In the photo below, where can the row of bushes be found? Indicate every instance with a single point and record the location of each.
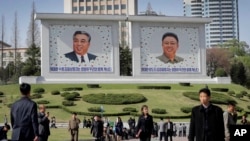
(73, 89)
(184, 84)
(186, 109)
(115, 99)
(220, 89)
(36, 96)
(217, 98)
(93, 86)
(159, 111)
(39, 90)
(154, 87)
(43, 102)
(95, 109)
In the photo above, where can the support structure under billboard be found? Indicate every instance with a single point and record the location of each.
(85, 49)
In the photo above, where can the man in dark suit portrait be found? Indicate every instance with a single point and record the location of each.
(170, 44)
(206, 122)
(24, 119)
(43, 120)
(81, 43)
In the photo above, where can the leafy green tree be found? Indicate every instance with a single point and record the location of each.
(220, 72)
(238, 73)
(125, 61)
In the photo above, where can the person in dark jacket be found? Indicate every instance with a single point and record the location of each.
(144, 125)
(206, 122)
(24, 119)
(3, 132)
(97, 128)
(43, 121)
(119, 128)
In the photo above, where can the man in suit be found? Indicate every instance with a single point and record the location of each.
(74, 127)
(168, 130)
(230, 118)
(43, 120)
(24, 119)
(81, 43)
(97, 128)
(206, 122)
(170, 44)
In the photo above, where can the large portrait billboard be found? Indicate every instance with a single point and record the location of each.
(80, 48)
(169, 50)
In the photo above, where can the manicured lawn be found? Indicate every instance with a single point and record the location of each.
(171, 100)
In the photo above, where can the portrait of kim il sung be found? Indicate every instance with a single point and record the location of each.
(170, 45)
(81, 44)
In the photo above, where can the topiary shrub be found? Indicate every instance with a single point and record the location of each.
(129, 109)
(154, 87)
(68, 103)
(217, 98)
(244, 93)
(248, 96)
(95, 109)
(114, 99)
(159, 111)
(36, 96)
(55, 92)
(70, 97)
(186, 109)
(231, 92)
(184, 83)
(1, 101)
(93, 86)
(38, 90)
(76, 94)
(220, 89)
(42, 102)
(1, 93)
(73, 89)
(239, 96)
(64, 94)
(248, 107)
(239, 109)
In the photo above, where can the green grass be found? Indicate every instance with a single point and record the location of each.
(171, 100)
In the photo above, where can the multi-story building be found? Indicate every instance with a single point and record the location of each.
(225, 25)
(105, 7)
(8, 54)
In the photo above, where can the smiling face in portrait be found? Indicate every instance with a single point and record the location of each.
(81, 44)
(170, 46)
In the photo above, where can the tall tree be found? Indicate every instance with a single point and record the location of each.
(15, 39)
(2, 39)
(125, 61)
(33, 34)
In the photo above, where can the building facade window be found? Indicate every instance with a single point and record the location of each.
(74, 9)
(109, 7)
(88, 8)
(116, 7)
(102, 7)
(95, 8)
(81, 0)
(81, 8)
(123, 6)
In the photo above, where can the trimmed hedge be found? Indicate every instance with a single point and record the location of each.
(43, 102)
(39, 90)
(53, 106)
(93, 86)
(217, 98)
(248, 96)
(239, 109)
(159, 111)
(1, 93)
(68, 103)
(129, 109)
(248, 107)
(184, 83)
(186, 109)
(231, 92)
(70, 97)
(1, 101)
(154, 87)
(239, 95)
(114, 99)
(220, 89)
(73, 89)
(36, 96)
(64, 94)
(244, 93)
(95, 109)
(55, 92)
